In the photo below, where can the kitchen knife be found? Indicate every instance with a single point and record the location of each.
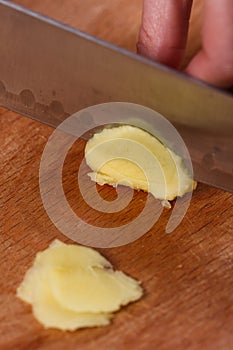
(48, 71)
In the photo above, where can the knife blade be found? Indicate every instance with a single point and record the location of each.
(49, 71)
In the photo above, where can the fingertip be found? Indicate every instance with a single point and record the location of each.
(217, 73)
(169, 56)
(163, 31)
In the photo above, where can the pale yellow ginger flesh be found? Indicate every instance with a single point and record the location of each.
(71, 287)
(127, 155)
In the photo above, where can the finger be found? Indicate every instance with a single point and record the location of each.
(164, 29)
(214, 63)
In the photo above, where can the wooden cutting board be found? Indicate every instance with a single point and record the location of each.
(187, 275)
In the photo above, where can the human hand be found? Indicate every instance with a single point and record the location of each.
(163, 37)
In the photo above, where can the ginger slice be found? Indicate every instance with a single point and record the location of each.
(127, 155)
(71, 287)
(51, 313)
(93, 289)
(35, 290)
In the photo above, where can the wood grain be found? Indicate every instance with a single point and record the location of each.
(187, 275)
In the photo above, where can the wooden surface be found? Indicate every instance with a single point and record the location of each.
(187, 275)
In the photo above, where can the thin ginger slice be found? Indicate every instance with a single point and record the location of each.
(127, 155)
(71, 286)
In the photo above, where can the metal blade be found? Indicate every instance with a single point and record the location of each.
(49, 71)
